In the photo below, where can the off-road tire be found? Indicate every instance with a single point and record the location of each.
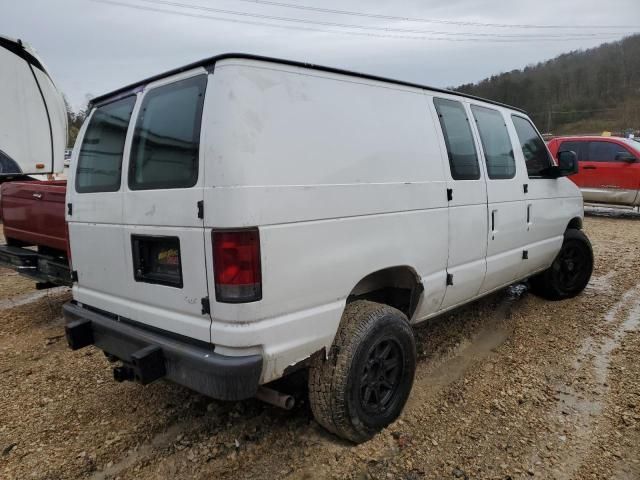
(340, 384)
(570, 272)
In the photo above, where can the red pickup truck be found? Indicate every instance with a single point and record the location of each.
(609, 168)
(37, 245)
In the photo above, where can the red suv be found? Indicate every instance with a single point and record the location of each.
(609, 168)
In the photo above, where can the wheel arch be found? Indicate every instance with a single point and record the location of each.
(397, 286)
(575, 223)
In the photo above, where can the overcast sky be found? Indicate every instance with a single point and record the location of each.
(91, 48)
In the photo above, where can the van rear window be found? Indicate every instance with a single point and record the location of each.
(166, 142)
(100, 159)
(463, 159)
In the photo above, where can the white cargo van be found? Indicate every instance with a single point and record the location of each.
(243, 217)
(33, 116)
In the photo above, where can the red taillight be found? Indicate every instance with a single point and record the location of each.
(236, 265)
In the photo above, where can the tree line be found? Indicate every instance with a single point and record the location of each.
(578, 92)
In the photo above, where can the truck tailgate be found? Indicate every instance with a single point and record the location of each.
(33, 213)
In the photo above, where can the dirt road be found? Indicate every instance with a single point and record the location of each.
(509, 387)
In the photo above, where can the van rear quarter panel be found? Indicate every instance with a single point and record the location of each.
(342, 175)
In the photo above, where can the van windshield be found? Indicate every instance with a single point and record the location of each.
(100, 159)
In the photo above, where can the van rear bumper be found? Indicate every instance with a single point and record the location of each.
(154, 354)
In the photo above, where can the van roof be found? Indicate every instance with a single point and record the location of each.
(211, 61)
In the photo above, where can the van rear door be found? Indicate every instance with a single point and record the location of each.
(156, 262)
(94, 204)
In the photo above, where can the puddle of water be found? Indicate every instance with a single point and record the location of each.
(603, 358)
(581, 403)
(600, 284)
(30, 297)
(517, 291)
(492, 335)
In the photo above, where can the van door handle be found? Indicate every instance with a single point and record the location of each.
(529, 215)
(37, 195)
(493, 220)
(589, 167)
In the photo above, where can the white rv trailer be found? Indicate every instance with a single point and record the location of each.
(33, 119)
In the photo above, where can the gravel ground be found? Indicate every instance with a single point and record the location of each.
(508, 387)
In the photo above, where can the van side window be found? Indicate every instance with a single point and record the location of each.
(535, 151)
(605, 152)
(463, 158)
(100, 159)
(166, 142)
(498, 151)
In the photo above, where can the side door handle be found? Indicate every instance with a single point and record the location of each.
(529, 219)
(494, 214)
(589, 167)
(37, 195)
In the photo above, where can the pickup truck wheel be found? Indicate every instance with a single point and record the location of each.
(364, 384)
(570, 271)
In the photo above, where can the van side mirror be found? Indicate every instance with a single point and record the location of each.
(625, 157)
(567, 165)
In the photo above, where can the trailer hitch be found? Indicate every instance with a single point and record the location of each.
(147, 365)
(123, 373)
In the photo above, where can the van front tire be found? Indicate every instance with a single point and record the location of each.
(570, 272)
(365, 382)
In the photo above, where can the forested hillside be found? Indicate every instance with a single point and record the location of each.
(578, 92)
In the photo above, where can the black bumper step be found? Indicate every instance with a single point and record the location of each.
(13, 257)
(39, 267)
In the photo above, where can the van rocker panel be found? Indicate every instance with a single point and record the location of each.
(198, 368)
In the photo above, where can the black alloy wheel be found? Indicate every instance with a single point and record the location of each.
(570, 272)
(381, 376)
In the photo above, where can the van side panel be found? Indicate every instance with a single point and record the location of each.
(343, 176)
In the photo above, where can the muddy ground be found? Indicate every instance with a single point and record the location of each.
(508, 387)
